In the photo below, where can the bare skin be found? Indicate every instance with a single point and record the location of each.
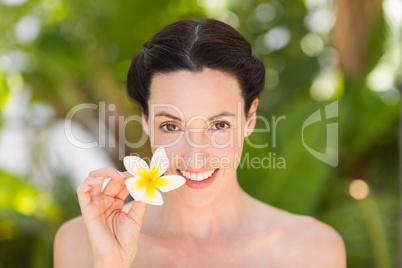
(216, 226)
(271, 238)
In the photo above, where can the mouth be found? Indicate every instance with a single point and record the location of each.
(198, 180)
(197, 176)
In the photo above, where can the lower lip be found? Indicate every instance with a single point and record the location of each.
(200, 184)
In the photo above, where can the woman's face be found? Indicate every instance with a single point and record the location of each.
(199, 119)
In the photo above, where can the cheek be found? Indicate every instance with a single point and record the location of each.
(222, 139)
(229, 156)
(226, 149)
(227, 140)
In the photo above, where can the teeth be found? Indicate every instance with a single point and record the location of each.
(197, 177)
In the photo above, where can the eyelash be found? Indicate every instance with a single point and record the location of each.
(171, 132)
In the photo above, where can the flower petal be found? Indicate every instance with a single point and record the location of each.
(169, 182)
(136, 187)
(152, 196)
(136, 166)
(159, 163)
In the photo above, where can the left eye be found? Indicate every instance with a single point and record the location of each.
(169, 127)
(220, 125)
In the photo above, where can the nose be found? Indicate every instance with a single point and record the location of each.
(197, 138)
(196, 149)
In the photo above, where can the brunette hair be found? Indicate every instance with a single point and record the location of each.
(192, 45)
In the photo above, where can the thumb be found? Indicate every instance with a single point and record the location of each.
(137, 212)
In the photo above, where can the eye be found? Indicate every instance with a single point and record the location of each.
(220, 126)
(169, 127)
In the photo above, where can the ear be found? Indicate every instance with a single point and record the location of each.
(252, 118)
(145, 123)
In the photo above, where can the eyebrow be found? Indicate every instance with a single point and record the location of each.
(210, 119)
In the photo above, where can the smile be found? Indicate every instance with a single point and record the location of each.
(198, 176)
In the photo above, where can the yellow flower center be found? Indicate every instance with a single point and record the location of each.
(150, 180)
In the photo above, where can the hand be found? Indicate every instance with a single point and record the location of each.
(113, 233)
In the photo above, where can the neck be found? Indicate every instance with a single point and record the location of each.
(222, 215)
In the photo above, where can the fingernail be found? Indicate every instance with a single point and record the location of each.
(121, 174)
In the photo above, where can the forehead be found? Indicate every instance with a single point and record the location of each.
(205, 93)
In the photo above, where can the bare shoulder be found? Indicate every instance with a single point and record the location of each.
(301, 241)
(315, 243)
(71, 245)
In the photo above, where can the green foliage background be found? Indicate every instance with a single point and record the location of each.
(82, 54)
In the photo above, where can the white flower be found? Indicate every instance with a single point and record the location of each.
(147, 181)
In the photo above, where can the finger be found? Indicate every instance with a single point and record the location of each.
(137, 212)
(115, 185)
(108, 172)
(127, 174)
(88, 188)
(123, 194)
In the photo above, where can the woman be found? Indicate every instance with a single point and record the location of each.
(198, 86)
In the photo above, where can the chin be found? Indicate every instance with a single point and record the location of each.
(197, 199)
(210, 195)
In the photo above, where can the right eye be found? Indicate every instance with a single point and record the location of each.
(169, 127)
